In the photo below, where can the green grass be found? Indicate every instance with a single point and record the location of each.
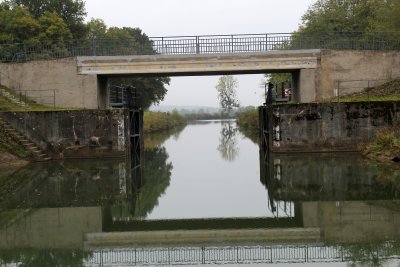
(160, 121)
(365, 99)
(7, 105)
(385, 146)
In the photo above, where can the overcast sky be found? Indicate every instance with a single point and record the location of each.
(190, 17)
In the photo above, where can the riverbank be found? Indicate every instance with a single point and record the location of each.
(161, 121)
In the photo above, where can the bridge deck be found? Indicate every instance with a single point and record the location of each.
(200, 64)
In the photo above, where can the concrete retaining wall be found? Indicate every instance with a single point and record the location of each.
(45, 81)
(75, 134)
(348, 65)
(329, 126)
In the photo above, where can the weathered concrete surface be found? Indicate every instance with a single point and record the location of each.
(250, 236)
(75, 134)
(200, 64)
(355, 65)
(71, 89)
(317, 127)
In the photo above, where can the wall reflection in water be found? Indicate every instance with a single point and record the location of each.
(46, 210)
(347, 197)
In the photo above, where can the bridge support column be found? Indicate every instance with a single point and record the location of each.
(304, 85)
(102, 92)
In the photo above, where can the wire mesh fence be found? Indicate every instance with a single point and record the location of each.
(363, 90)
(206, 44)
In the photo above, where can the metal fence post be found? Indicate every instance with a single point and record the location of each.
(197, 45)
(94, 47)
(266, 42)
(25, 53)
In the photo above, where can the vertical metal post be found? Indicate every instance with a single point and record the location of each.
(266, 42)
(197, 45)
(162, 46)
(94, 47)
(338, 90)
(25, 53)
(54, 98)
(231, 46)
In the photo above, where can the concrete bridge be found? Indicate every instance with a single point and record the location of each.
(81, 79)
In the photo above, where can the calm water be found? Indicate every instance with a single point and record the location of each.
(205, 176)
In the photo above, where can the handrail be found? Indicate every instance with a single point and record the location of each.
(200, 44)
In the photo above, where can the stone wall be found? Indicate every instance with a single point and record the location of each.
(318, 127)
(75, 134)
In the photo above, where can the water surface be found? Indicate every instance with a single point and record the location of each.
(205, 176)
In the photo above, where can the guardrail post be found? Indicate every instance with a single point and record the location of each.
(197, 45)
(266, 42)
(25, 53)
(94, 47)
(231, 46)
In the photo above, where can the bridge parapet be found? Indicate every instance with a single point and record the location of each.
(206, 44)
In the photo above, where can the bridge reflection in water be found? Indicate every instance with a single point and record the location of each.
(242, 254)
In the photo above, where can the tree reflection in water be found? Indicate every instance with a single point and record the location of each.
(227, 141)
(156, 178)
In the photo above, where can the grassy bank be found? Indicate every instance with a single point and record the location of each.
(248, 124)
(160, 121)
(8, 105)
(389, 91)
(385, 147)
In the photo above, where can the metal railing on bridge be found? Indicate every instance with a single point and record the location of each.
(206, 44)
(243, 255)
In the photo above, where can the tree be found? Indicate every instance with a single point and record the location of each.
(72, 12)
(96, 28)
(332, 16)
(52, 28)
(17, 24)
(226, 88)
(149, 90)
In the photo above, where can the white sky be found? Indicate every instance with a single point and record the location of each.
(205, 17)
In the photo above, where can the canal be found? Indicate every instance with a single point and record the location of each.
(203, 194)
